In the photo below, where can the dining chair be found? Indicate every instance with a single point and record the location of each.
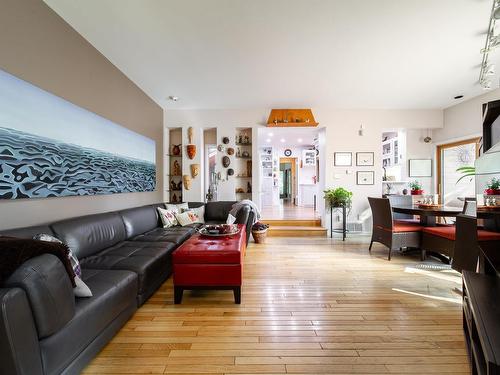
(393, 234)
(402, 200)
(441, 239)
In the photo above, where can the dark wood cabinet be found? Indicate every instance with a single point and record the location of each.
(481, 320)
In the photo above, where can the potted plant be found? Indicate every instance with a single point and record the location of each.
(416, 188)
(338, 197)
(259, 232)
(493, 187)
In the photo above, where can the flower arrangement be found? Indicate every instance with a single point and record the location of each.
(493, 187)
(416, 188)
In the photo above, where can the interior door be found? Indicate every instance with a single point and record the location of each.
(451, 189)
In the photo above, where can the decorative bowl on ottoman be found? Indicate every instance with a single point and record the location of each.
(219, 230)
(259, 232)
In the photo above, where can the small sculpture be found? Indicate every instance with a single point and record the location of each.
(225, 140)
(177, 168)
(238, 153)
(187, 181)
(230, 151)
(226, 161)
(249, 187)
(176, 150)
(174, 198)
(195, 170)
(190, 135)
(173, 185)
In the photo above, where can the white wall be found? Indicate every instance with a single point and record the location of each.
(464, 120)
(341, 134)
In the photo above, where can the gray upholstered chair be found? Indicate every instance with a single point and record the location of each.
(393, 234)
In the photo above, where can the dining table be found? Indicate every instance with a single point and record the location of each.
(428, 214)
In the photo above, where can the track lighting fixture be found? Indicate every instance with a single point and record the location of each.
(492, 42)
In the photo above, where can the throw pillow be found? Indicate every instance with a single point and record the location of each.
(199, 212)
(186, 218)
(230, 219)
(177, 208)
(167, 217)
(81, 289)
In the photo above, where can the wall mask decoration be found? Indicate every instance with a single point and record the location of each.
(190, 135)
(191, 151)
(220, 148)
(195, 170)
(226, 161)
(225, 140)
(186, 179)
(230, 151)
(50, 147)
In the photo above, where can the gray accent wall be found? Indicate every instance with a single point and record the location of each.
(38, 46)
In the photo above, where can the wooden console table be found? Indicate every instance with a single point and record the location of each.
(481, 321)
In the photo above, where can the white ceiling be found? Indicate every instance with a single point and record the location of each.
(290, 53)
(292, 137)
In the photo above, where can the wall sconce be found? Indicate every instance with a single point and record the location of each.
(361, 131)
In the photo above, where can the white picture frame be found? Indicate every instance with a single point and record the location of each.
(420, 168)
(342, 159)
(365, 178)
(365, 159)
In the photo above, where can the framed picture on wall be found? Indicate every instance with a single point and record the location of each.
(342, 159)
(420, 168)
(365, 178)
(365, 159)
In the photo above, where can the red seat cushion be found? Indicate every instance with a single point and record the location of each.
(447, 232)
(407, 221)
(485, 235)
(400, 227)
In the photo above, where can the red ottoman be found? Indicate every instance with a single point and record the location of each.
(209, 263)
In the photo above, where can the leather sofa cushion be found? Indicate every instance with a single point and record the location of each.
(113, 292)
(27, 232)
(146, 259)
(88, 235)
(218, 211)
(176, 235)
(202, 250)
(139, 220)
(50, 293)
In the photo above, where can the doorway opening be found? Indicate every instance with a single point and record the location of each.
(289, 173)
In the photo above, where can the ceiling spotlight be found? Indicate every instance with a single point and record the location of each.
(268, 140)
(270, 134)
(173, 98)
(496, 11)
(282, 140)
(299, 140)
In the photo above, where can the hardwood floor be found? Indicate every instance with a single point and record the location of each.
(309, 306)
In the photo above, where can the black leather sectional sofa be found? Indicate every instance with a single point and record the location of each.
(125, 256)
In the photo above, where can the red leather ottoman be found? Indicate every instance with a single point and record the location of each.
(209, 263)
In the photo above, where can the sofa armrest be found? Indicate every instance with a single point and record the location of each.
(19, 349)
(245, 216)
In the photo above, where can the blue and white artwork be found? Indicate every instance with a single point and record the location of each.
(50, 147)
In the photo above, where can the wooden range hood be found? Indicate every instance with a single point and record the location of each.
(287, 118)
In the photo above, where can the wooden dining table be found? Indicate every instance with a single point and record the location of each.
(428, 215)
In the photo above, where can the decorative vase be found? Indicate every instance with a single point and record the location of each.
(191, 151)
(186, 179)
(176, 150)
(195, 170)
(417, 192)
(259, 236)
(492, 191)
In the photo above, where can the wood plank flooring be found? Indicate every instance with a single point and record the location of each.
(309, 306)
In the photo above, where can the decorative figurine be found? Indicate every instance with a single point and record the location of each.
(230, 151)
(238, 153)
(176, 150)
(249, 187)
(176, 169)
(173, 185)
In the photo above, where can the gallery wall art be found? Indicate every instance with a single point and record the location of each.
(50, 147)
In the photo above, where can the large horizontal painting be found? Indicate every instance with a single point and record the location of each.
(50, 147)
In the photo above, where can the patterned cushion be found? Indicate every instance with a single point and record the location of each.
(199, 212)
(167, 217)
(177, 208)
(187, 218)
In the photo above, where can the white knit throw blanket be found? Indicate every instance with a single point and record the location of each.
(253, 207)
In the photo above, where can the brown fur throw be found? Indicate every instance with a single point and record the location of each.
(16, 251)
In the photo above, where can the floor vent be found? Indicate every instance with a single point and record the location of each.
(354, 227)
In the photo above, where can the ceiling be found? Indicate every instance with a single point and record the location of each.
(290, 53)
(287, 137)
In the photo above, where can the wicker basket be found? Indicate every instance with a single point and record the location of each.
(259, 236)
